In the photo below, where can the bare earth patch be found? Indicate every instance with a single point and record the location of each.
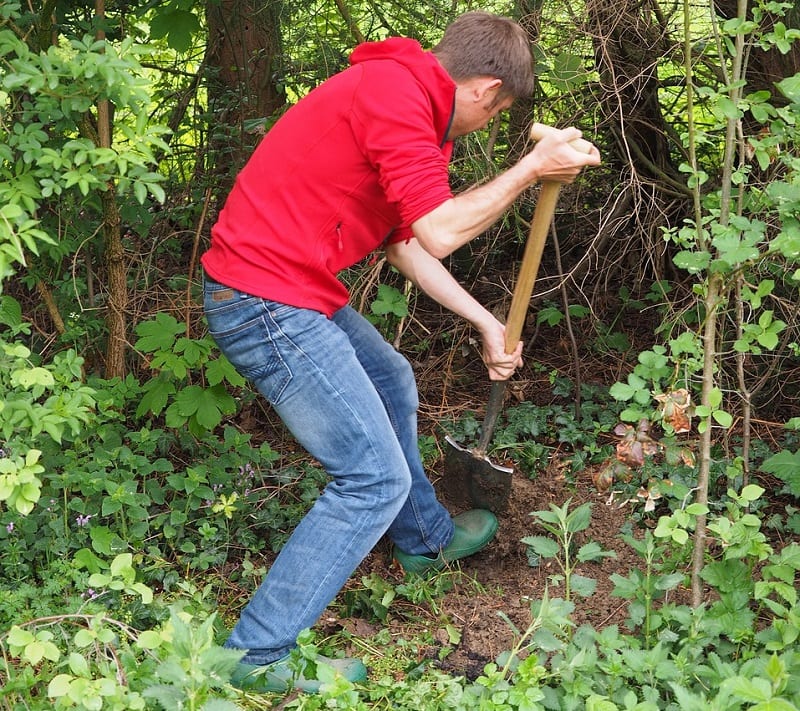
(507, 582)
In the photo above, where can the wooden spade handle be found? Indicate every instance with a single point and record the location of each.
(534, 247)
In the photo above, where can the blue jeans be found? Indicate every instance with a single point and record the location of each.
(350, 400)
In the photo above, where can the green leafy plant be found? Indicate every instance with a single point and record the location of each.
(176, 358)
(35, 400)
(177, 664)
(645, 589)
(733, 246)
(733, 574)
(89, 678)
(786, 466)
(190, 498)
(121, 575)
(389, 300)
(371, 599)
(650, 375)
(531, 434)
(20, 486)
(519, 677)
(51, 151)
(677, 657)
(193, 670)
(551, 315)
(388, 309)
(563, 526)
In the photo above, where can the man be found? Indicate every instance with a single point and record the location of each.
(360, 163)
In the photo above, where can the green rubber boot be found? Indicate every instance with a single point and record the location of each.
(280, 677)
(473, 531)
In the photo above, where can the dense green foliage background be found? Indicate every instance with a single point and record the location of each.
(133, 493)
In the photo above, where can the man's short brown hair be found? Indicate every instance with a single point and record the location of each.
(480, 44)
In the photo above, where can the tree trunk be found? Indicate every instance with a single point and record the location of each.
(629, 45)
(631, 40)
(117, 275)
(114, 250)
(243, 58)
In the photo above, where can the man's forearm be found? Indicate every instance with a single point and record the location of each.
(431, 276)
(460, 219)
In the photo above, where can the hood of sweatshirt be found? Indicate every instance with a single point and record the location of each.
(424, 65)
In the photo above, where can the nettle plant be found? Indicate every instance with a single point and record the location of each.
(564, 527)
(734, 651)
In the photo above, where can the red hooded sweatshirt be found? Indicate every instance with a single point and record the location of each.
(351, 165)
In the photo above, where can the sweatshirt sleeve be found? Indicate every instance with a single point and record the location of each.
(392, 118)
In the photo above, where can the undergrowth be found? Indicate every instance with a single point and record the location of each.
(737, 651)
(123, 566)
(532, 436)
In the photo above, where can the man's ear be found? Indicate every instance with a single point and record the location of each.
(488, 87)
